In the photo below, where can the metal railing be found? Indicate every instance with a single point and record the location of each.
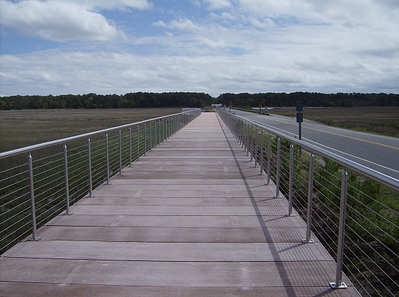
(352, 209)
(41, 181)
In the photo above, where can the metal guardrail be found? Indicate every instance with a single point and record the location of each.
(41, 181)
(352, 209)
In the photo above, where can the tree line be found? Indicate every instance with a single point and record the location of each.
(309, 99)
(192, 99)
(92, 100)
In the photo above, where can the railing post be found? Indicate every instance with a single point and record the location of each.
(107, 157)
(130, 147)
(278, 167)
(145, 139)
(234, 129)
(310, 202)
(89, 163)
(167, 127)
(66, 180)
(120, 152)
(261, 150)
(164, 129)
(256, 146)
(155, 134)
(269, 148)
(252, 141)
(138, 142)
(291, 186)
(32, 199)
(160, 131)
(242, 133)
(181, 121)
(341, 240)
(247, 137)
(237, 132)
(150, 137)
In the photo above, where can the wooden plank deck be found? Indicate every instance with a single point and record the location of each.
(191, 218)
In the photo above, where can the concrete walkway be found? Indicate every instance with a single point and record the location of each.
(192, 218)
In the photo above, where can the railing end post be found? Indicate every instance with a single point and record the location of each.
(304, 241)
(338, 284)
(32, 198)
(341, 286)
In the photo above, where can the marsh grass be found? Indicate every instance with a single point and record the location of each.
(49, 175)
(20, 128)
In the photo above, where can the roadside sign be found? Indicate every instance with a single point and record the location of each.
(299, 117)
(299, 107)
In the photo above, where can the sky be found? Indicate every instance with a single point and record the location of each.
(211, 46)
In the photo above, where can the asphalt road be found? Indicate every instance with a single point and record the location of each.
(378, 152)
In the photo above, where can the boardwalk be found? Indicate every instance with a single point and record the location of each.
(191, 218)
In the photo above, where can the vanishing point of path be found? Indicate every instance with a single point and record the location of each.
(191, 218)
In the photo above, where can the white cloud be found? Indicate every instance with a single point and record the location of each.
(65, 19)
(344, 12)
(267, 23)
(185, 25)
(111, 4)
(211, 43)
(56, 21)
(281, 8)
(246, 46)
(218, 4)
(273, 69)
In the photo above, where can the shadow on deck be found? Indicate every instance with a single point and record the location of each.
(191, 218)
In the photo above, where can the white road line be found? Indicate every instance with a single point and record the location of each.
(331, 149)
(353, 156)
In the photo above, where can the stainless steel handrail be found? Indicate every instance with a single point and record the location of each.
(359, 168)
(62, 141)
(242, 128)
(74, 177)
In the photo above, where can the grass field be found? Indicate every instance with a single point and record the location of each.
(20, 128)
(381, 120)
(83, 164)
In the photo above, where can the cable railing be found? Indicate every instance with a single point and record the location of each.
(41, 181)
(351, 209)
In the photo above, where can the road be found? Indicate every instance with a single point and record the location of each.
(378, 152)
